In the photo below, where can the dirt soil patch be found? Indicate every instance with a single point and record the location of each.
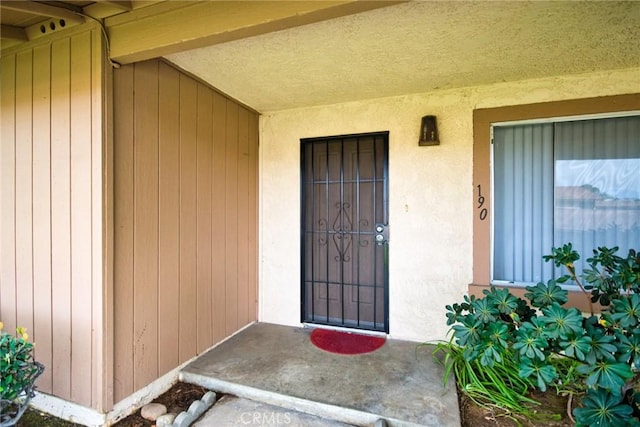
(176, 399)
(552, 413)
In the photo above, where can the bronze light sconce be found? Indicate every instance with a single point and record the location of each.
(429, 131)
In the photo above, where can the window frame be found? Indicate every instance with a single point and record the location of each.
(483, 119)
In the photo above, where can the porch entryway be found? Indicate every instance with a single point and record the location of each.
(277, 365)
(345, 231)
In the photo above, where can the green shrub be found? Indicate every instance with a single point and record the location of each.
(539, 343)
(17, 367)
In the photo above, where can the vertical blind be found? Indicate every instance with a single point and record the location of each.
(572, 182)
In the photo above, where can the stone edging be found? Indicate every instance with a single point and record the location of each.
(186, 418)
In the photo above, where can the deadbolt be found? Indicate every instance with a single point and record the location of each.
(382, 234)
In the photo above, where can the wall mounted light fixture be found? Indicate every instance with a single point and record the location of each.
(429, 131)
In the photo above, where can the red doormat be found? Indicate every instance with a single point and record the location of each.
(345, 342)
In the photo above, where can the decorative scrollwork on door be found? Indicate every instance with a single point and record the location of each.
(342, 227)
(322, 223)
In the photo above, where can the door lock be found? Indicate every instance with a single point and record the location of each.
(382, 234)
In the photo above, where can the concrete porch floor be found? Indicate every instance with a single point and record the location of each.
(278, 365)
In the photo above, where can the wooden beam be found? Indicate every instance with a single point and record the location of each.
(171, 27)
(124, 5)
(42, 9)
(13, 33)
(105, 9)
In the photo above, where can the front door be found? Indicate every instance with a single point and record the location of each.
(345, 231)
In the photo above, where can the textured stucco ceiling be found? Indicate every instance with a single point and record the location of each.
(418, 47)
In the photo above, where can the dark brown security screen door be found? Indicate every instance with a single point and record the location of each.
(345, 231)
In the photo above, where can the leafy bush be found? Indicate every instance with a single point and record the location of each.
(18, 372)
(541, 343)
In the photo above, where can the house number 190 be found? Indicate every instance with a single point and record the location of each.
(481, 200)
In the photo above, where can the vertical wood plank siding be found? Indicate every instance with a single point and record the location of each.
(185, 219)
(51, 228)
(42, 207)
(123, 229)
(169, 218)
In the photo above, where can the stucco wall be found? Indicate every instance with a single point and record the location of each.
(430, 188)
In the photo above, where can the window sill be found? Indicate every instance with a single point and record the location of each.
(577, 298)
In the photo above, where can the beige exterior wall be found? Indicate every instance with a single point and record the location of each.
(121, 260)
(185, 220)
(51, 216)
(431, 192)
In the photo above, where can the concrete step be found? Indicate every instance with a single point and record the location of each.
(232, 411)
(277, 365)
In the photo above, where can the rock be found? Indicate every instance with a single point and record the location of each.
(152, 411)
(165, 420)
(380, 423)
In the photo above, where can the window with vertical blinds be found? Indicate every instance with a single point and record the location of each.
(572, 182)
